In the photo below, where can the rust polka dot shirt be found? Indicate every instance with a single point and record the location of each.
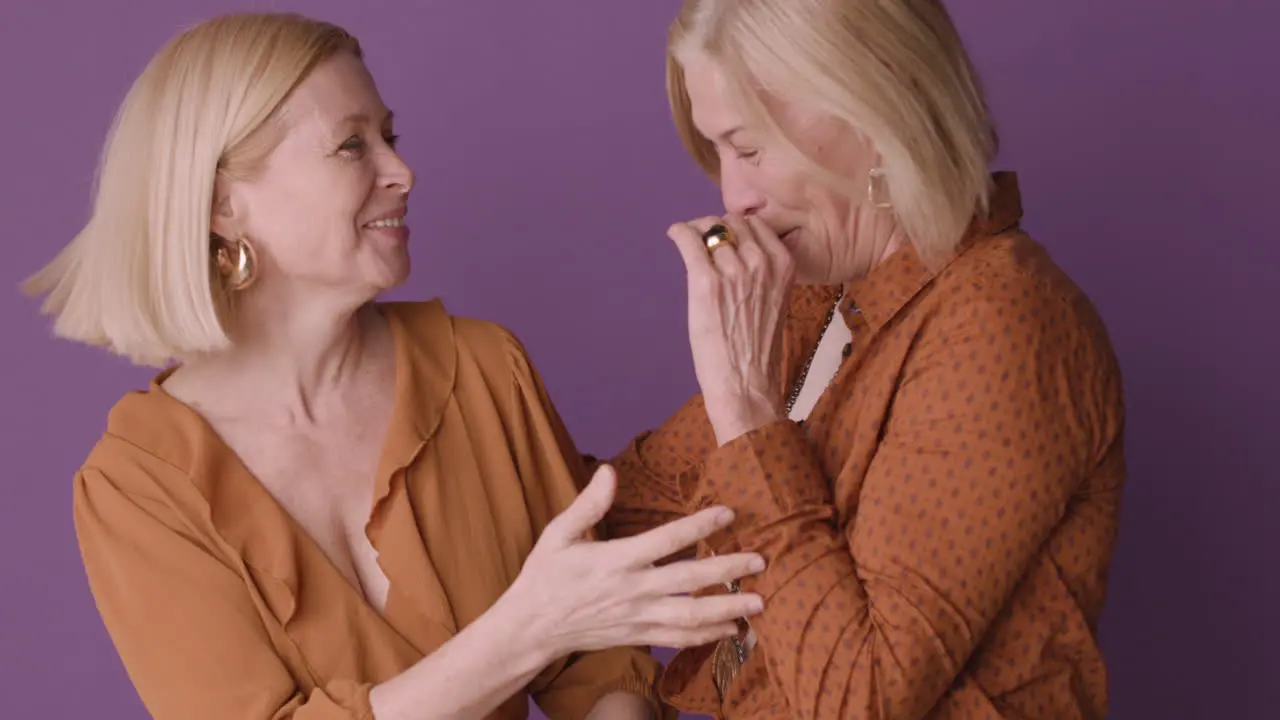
(938, 532)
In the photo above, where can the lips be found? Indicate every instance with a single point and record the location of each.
(390, 224)
(389, 218)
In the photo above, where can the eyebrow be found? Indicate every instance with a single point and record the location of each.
(359, 117)
(727, 135)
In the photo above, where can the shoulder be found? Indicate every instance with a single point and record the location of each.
(148, 436)
(1005, 316)
(1009, 287)
(490, 344)
(466, 344)
(143, 462)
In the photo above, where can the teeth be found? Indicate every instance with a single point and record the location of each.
(388, 223)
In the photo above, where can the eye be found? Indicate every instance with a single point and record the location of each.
(392, 140)
(750, 156)
(352, 145)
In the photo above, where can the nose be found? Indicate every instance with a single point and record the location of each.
(396, 174)
(737, 192)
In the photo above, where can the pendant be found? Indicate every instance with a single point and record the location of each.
(726, 663)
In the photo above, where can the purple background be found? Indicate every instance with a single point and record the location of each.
(548, 169)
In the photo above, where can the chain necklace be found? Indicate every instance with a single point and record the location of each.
(804, 371)
(731, 652)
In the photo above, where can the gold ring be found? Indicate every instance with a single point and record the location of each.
(717, 236)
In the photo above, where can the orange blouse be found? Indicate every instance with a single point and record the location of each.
(939, 530)
(221, 607)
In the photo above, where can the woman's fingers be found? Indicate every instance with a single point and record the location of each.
(688, 240)
(665, 540)
(772, 247)
(755, 248)
(689, 613)
(674, 637)
(584, 513)
(689, 576)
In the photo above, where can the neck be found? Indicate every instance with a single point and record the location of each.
(294, 362)
(897, 240)
(887, 240)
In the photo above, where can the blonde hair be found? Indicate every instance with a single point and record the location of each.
(139, 278)
(894, 71)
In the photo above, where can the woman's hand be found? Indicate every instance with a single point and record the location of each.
(580, 595)
(737, 308)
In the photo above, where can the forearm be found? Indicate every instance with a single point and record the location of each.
(645, 499)
(488, 662)
(654, 466)
(897, 600)
(820, 614)
(897, 648)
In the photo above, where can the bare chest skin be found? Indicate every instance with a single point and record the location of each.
(324, 478)
(320, 470)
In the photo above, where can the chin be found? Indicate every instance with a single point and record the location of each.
(808, 274)
(395, 278)
(392, 269)
(807, 271)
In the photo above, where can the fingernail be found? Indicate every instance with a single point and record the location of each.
(757, 564)
(724, 517)
(757, 604)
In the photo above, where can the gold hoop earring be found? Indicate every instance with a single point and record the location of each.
(878, 190)
(238, 270)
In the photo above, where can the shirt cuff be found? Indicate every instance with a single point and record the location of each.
(636, 685)
(765, 476)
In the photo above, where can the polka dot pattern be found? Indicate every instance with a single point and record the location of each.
(939, 531)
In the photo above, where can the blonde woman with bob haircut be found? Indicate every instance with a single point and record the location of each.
(916, 415)
(325, 506)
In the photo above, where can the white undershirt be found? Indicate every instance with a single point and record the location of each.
(826, 361)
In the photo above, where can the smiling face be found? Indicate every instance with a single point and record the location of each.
(833, 234)
(327, 209)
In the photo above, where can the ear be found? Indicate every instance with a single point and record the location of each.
(223, 221)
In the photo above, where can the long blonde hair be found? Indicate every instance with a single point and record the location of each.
(894, 71)
(139, 279)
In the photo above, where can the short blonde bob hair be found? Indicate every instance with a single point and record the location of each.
(139, 278)
(894, 71)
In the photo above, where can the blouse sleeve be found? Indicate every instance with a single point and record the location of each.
(188, 634)
(877, 618)
(652, 469)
